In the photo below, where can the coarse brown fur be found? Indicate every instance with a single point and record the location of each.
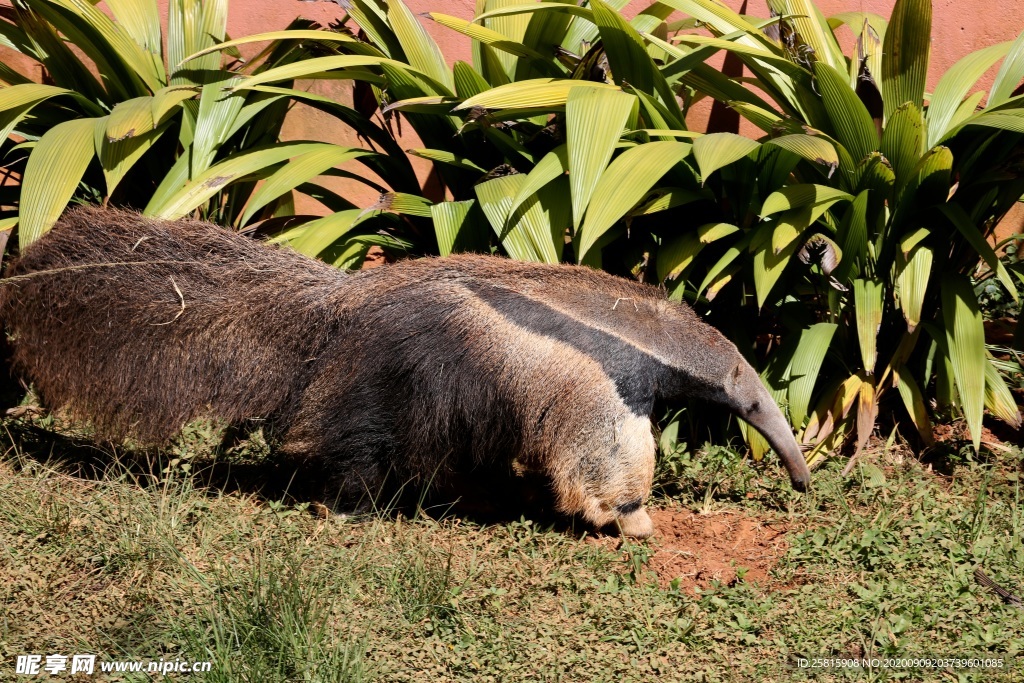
(419, 368)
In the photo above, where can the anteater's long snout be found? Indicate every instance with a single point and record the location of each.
(758, 408)
(776, 430)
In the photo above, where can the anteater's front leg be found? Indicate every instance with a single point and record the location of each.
(600, 457)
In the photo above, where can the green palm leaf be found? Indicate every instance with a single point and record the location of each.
(420, 49)
(905, 54)
(539, 93)
(955, 84)
(623, 184)
(595, 119)
(718, 150)
(810, 354)
(965, 339)
(56, 165)
(301, 169)
(851, 122)
(214, 179)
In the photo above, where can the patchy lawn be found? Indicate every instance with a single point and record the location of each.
(744, 577)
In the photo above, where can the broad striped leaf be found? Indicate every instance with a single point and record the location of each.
(554, 165)
(595, 119)
(815, 32)
(868, 302)
(664, 198)
(717, 150)
(127, 69)
(488, 36)
(903, 141)
(420, 49)
(711, 232)
(628, 57)
(967, 109)
(168, 99)
(1010, 74)
(998, 398)
(117, 157)
(512, 26)
(813, 148)
(676, 254)
(194, 25)
(721, 272)
(905, 54)
(955, 84)
(623, 184)
(810, 353)
(141, 20)
(769, 264)
(867, 412)
(833, 408)
(851, 123)
(1012, 120)
(14, 96)
(214, 179)
(723, 20)
(218, 109)
(494, 39)
(799, 196)
(788, 228)
(928, 185)
(913, 400)
(535, 93)
(535, 232)
(965, 339)
(301, 169)
(316, 236)
(452, 224)
(308, 68)
(911, 240)
(445, 157)
(468, 83)
(54, 169)
(852, 237)
(129, 118)
(544, 33)
(912, 283)
(294, 34)
(16, 101)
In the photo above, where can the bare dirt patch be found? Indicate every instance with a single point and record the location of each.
(699, 549)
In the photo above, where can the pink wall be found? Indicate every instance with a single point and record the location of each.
(958, 26)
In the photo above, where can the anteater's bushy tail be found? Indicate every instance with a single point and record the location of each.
(140, 325)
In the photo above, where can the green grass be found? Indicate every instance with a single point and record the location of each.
(146, 567)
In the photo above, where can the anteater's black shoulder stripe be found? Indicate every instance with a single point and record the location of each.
(636, 374)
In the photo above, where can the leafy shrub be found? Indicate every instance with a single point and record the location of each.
(851, 227)
(121, 120)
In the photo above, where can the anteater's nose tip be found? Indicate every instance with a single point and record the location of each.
(801, 484)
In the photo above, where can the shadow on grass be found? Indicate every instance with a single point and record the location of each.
(485, 496)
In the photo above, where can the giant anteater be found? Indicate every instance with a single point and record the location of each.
(418, 368)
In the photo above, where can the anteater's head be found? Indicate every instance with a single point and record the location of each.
(710, 367)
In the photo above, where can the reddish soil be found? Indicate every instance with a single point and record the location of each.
(374, 257)
(996, 438)
(699, 549)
